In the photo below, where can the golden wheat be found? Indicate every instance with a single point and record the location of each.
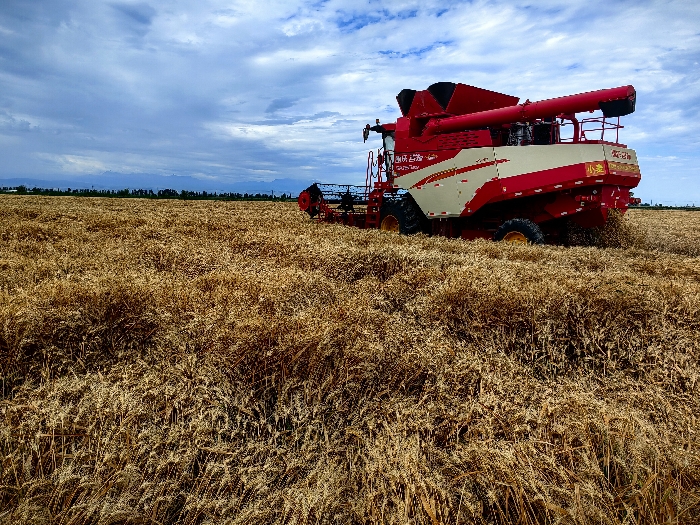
(231, 362)
(672, 231)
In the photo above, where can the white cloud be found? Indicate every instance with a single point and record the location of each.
(79, 164)
(300, 26)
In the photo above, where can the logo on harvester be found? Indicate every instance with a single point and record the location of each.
(595, 168)
(616, 167)
(413, 157)
(622, 155)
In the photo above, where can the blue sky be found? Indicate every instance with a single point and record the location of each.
(219, 92)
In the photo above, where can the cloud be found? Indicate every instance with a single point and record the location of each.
(281, 103)
(228, 89)
(78, 164)
(140, 13)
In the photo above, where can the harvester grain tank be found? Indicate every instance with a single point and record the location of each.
(467, 162)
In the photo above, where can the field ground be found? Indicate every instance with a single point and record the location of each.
(231, 362)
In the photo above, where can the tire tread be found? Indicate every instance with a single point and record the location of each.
(525, 226)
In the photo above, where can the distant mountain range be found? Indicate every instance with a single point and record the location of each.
(119, 181)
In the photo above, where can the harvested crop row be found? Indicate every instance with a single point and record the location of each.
(180, 362)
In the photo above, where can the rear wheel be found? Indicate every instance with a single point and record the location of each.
(519, 231)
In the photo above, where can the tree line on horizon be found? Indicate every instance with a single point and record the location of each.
(201, 195)
(148, 194)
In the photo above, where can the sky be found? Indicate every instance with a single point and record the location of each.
(214, 93)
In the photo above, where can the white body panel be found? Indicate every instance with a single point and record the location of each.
(447, 194)
(517, 160)
(445, 189)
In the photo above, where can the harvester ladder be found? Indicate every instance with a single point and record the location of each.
(374, 205)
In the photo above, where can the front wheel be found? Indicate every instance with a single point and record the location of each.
(402, 216)
(392, 217)
(519, 231)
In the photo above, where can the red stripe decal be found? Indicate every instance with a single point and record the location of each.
(452, 172)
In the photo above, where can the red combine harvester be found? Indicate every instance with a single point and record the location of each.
(467, 162)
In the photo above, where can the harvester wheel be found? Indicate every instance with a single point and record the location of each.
(415, 220)
(519, 231)
(389, 224)
(391, 217)
(402, 216)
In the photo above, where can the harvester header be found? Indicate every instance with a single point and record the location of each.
(468, 162)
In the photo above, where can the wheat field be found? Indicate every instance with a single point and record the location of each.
(667, 230)
(234, 363)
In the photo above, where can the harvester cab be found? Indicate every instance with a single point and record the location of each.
(467, 162)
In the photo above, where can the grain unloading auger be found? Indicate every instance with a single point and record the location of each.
(467, 162)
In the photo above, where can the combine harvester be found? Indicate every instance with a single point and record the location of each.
(467, 162)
